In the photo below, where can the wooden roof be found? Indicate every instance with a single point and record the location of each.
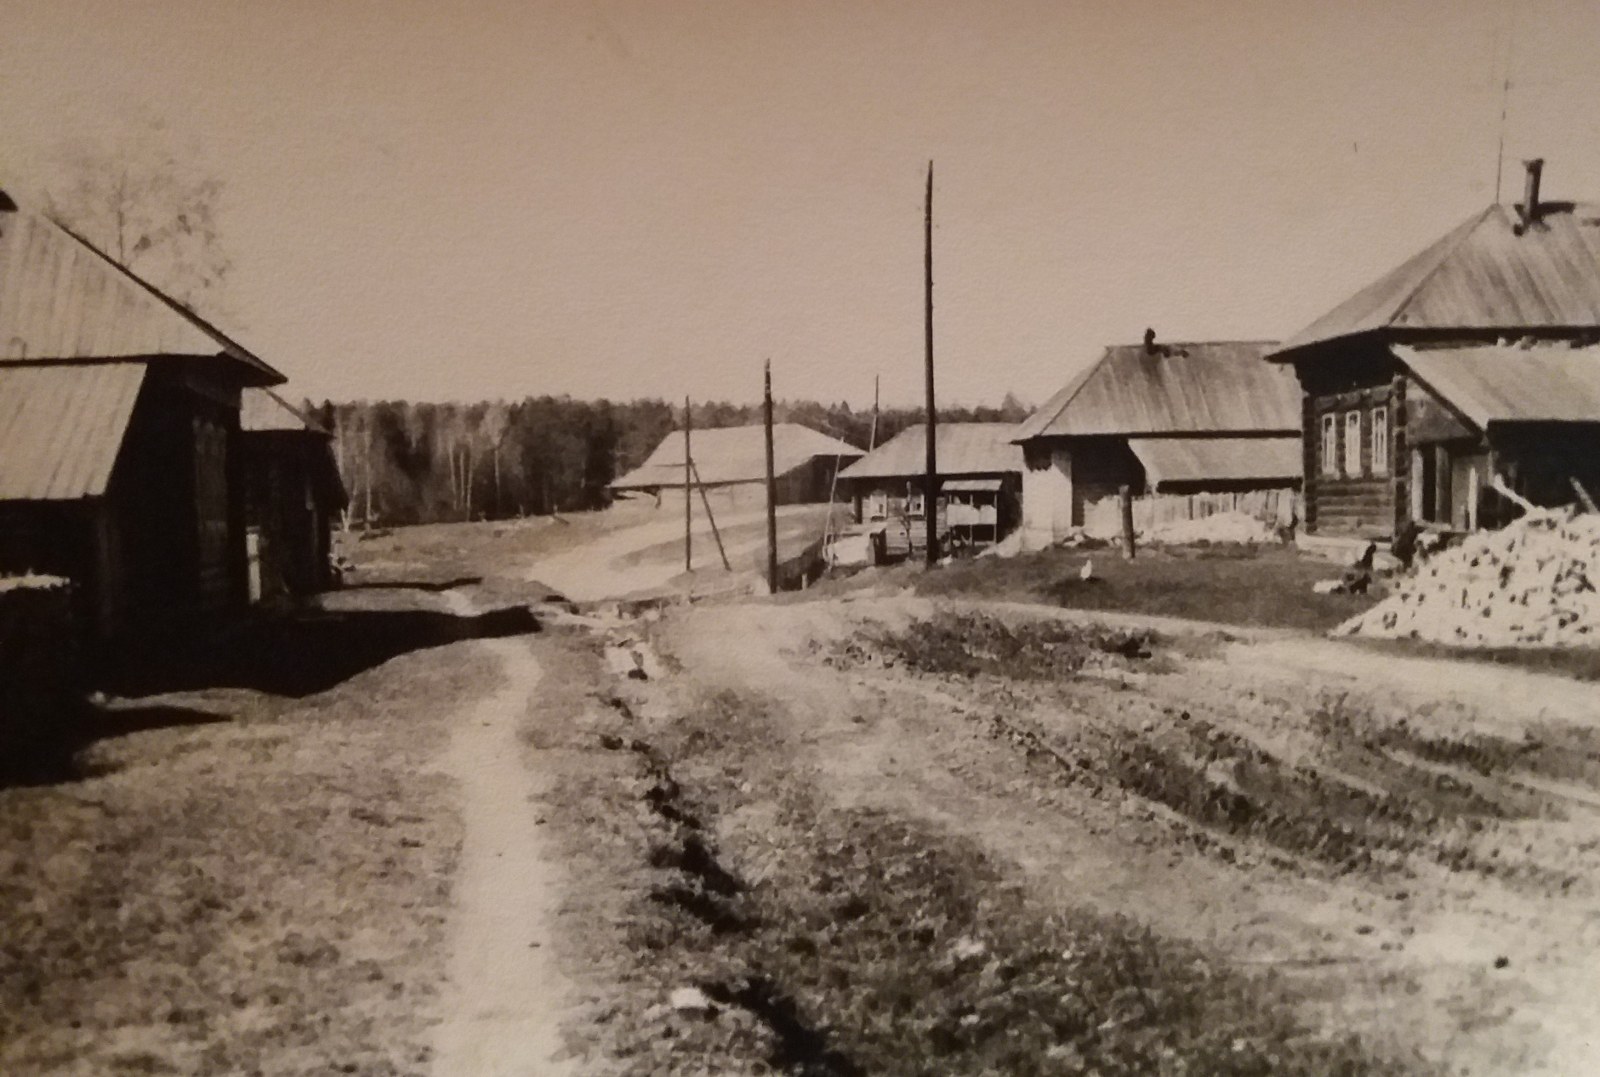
(1192, 388)
(733, 454)
(963, 449)
(1548, 383)
(64, 300)
(62, 427)
(1481, 276)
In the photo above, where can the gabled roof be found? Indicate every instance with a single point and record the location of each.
(264, 411)
(1482, 276)
(733, 454)
(963, 449)
(1549, 383)
(1197, 388)
(62, 426)
(64, 300)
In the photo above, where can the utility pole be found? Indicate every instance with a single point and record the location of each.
(772, 484)
(688, 464)
(872, 438)
(930, 485)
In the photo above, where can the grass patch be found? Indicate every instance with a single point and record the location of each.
(1577, 663)
(977, 644)
(261, 893)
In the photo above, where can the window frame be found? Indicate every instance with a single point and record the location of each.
(1330, 444)
(1350, 458)
(1378, 435)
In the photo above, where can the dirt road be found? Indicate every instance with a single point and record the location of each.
(1409, 849)
(506, 997)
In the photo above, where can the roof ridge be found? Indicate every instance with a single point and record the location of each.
(227, 344)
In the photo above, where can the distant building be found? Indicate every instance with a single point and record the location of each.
(732, 463)
(1417, 393)
(119, 432)
(1159, 418)
(980, 483)
(293, 496)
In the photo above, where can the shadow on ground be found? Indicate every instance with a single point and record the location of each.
(304, 652)
(57, 751)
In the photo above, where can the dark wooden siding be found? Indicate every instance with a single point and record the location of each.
(1353, 500)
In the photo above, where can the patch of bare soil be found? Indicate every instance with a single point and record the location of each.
(239, 883)
(1414, 866)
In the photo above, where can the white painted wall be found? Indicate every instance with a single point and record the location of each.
(1047, 499)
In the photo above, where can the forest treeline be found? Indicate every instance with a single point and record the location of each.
(408, 463)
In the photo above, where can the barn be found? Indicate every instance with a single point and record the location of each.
(730, 463)
(979, 476)
(1469, 362)
(1188, 418)
(293, 495)
(119, 436)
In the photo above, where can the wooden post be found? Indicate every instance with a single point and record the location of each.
(772, 482)
(706, 501)
(688, 508)
(930, 486)
(1125, 499)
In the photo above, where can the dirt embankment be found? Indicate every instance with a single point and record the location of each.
(912, 841)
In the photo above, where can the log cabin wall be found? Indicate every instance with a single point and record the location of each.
(1354, 433)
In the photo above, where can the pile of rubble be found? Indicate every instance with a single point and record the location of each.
(1531, 584)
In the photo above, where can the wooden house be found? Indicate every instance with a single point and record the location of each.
(979, 478)
(1457, 366)
(119, 435)
(730, 463)
(293, 496)
(1208, 417)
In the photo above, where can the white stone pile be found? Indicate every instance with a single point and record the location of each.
(1531, 584)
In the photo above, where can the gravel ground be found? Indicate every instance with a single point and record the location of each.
(240, 883)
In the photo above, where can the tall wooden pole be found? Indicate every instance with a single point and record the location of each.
(772, 484)
(688, 508)
(930, 484)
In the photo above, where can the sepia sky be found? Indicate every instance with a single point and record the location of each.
(492, 198)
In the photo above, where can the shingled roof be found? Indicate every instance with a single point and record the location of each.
(1212, 387)
(1490, 273)
(64, 300)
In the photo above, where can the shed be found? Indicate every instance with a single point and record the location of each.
(1186, 418)
(119, 425)
(732, 461)
(293, 495)
(1458, 365)
(979, 478)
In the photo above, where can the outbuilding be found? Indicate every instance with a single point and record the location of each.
(119, 435)
(730, 464)
(979, 481)
(293, 496)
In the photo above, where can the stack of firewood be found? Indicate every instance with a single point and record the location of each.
(1532, 584)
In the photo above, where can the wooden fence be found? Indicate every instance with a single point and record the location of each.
(1103, 519)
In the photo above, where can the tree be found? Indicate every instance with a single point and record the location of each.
(150, 209)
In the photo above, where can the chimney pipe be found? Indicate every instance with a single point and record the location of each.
(1149, 341)
(1530, 194)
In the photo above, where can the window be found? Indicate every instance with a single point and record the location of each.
(1380, 441)
(1330, 445)
(1352, 443)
